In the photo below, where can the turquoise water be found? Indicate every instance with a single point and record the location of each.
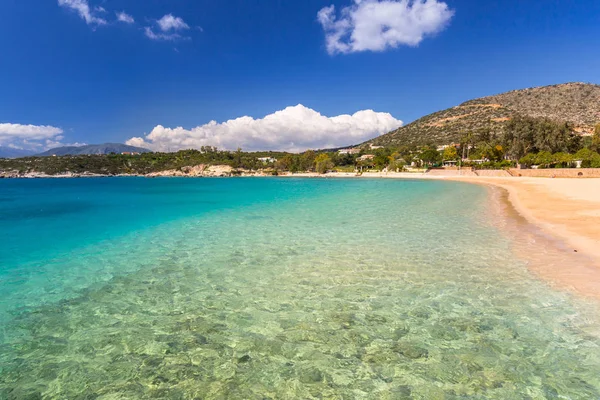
(277, 289)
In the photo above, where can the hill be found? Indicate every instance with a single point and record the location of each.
(96, 149)
(576, 103)
(9, 152)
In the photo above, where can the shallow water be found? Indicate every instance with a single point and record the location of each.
(280, 289)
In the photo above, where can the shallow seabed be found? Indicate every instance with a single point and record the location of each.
(315, 289)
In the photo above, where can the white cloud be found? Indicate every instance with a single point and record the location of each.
(83, 9)
(377, 25)
(29, 137)
(100, 9)
(124, 17)
(161, 36)
(292, 129)
(169, 22)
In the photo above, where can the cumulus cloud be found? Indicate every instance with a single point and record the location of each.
(82, 8)
(29, 137)
(169, 22)
(150, 34)
(124, 17)
(293, 129)
(168, 26)
(378, 25)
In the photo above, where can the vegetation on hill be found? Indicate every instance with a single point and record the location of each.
(575, 103)
(114, 164)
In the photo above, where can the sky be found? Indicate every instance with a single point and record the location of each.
(271, 74)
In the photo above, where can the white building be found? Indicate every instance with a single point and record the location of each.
(349, 151)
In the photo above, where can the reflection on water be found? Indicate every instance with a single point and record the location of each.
(392, 290)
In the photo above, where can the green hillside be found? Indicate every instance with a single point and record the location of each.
(576, 103)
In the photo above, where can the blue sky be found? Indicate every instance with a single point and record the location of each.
(80, 76)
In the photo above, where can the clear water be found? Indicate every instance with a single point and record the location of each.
(277, 289)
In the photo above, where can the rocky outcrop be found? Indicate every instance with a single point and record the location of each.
(201, 170)
(34, 174)
(197, 171)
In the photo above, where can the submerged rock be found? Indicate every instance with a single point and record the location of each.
(244, 359)
(411, 350)
(310, 375)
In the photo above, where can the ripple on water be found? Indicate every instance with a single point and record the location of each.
(313, 300)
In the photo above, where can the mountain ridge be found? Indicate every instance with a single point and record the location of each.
(96, 149)
(576, 103)
(9, 152)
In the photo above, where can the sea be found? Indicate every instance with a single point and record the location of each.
(281, 288)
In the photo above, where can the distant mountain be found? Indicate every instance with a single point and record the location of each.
(8, 152)
(106, 148)
(576, 103)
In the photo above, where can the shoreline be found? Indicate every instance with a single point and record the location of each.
(567, 213)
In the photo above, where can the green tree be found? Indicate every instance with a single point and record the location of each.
(307, 160)
(544, 158)
(450, 153)
(596, 139)
(429, 156)
(323, 163)
(285, 163)
(528, 160)
(237, 159)
(589, 158)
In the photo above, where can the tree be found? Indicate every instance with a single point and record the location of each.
(491, 151)
(544, 158)
(323, 163)
(237, 159)
(527, 160)
(285, 163)
(429, 155)
(590, 158)
(450, 153)
(307, 160)
(596, 138)
(562, 160)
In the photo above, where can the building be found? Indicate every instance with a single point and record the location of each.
(366, 157)
(445, 146)
(267, 160)
(375, 147)
(349, 151)
(129, 153)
